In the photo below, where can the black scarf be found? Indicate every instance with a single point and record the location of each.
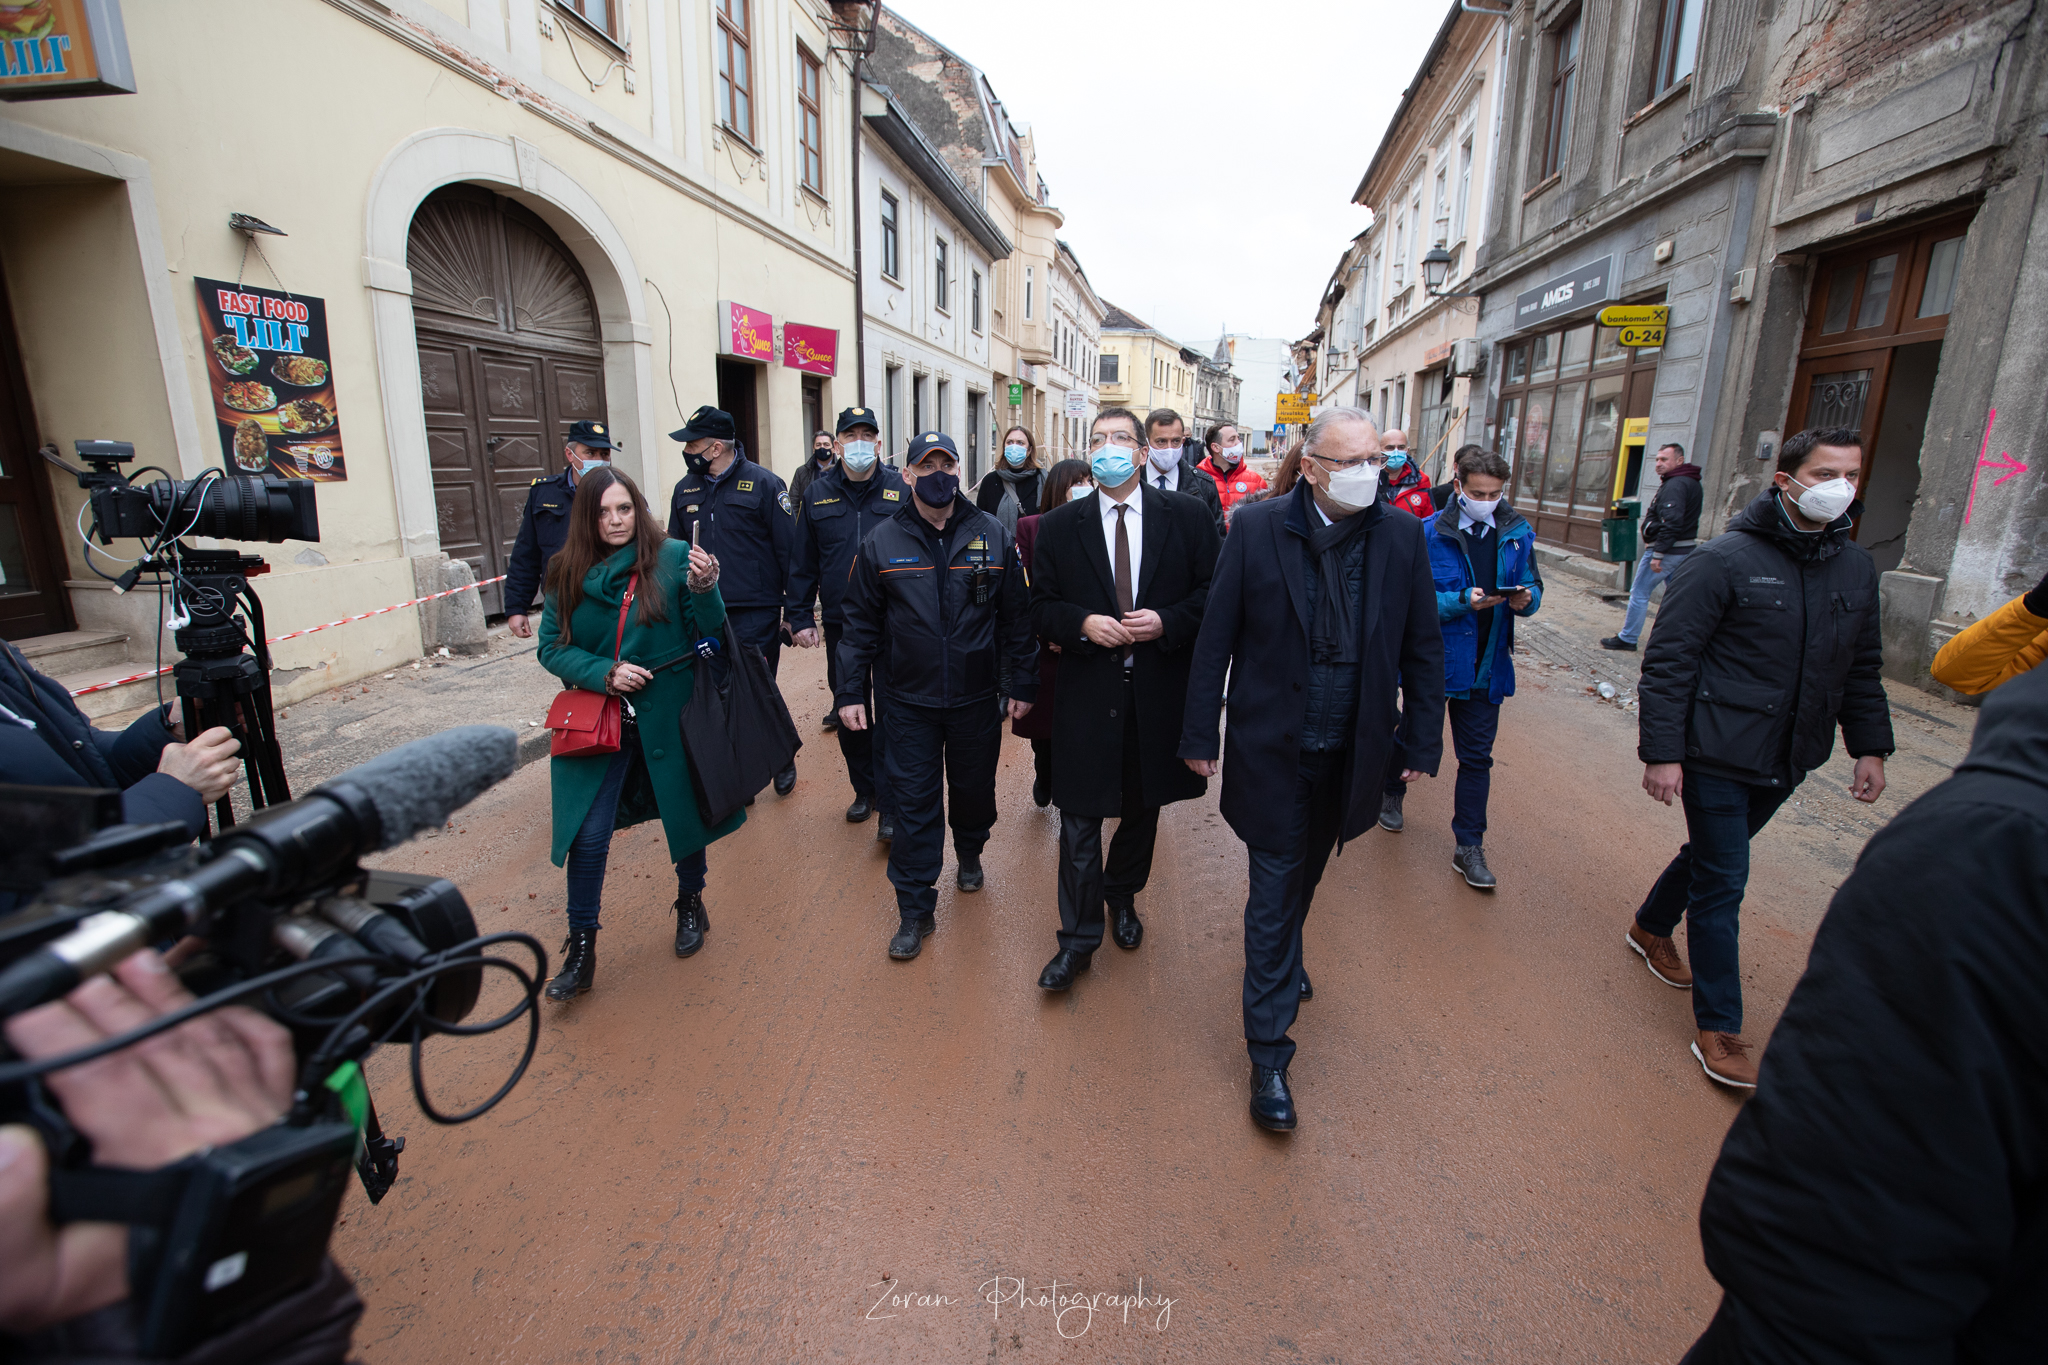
(1335, 638)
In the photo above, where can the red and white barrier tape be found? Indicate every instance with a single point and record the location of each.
(295, 634)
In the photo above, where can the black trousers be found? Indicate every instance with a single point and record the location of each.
(1283, 884)
(760, 627)
(1085, 884)
(862, 749)
(923, 748)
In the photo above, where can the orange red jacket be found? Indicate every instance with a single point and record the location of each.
(1235, 484)
(1413, 497)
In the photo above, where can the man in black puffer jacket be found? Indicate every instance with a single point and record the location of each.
(1880, 1200)
(1766, 641)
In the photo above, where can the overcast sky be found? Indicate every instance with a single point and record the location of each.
(1204, 153)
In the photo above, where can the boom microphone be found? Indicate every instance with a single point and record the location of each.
(283, 853)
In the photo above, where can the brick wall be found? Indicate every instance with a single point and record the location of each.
(1849, 41)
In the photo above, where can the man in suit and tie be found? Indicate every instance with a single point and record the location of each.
(1119, 581)
(1323, 607)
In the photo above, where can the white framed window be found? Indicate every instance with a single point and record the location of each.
(1464, 189)
(1029, 281)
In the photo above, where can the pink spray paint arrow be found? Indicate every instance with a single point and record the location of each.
(2005, 461)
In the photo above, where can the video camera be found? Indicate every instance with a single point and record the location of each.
(291, 922)
(224, 677)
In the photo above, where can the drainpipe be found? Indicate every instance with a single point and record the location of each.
(860, 327)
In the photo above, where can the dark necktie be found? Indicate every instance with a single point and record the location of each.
(1123, 568)
(1162, 480)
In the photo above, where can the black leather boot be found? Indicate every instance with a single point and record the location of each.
(691, 924)
(579, 966)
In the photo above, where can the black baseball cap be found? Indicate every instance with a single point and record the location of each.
(856, 417)
(706, 424)
(591, 434)
(923, 444)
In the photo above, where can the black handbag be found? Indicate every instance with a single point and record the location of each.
(737, 736)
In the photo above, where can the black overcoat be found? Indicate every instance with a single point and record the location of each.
(1071, 580)
(1255, 634)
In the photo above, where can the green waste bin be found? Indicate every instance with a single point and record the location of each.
(1618, 531)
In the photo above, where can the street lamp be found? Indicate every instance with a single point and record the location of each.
(1436, 263)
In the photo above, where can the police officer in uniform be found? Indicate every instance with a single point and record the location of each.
(746, 521)
(839, 508)
(544, 525)
(937, 593)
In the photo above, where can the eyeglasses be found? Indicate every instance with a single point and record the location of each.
(1115, 438)
(1338, 466)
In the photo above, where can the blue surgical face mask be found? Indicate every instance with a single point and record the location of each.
(1017, 455)
(1395, 459)
(858, 456)
(1113, 466)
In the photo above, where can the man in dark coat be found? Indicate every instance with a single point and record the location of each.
(1767, 640)
(824, 456)
(1120, 580)
(1671, 531)
(937, 601)
(748, 524)
(1166, 464)
(1321, 609)
(544, 523)
(1879, 1201)
(46, 741)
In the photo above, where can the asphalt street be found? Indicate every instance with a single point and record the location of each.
(791, 1148)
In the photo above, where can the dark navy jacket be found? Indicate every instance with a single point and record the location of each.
(1450, 560)
(543, 528)
(64, 750)
(837, 515)
(749, 522)
(1255, 634)
(941, 647)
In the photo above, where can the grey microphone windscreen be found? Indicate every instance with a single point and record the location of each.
(417, 786)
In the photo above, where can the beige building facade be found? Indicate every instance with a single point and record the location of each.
(1385, 342)
(1149, 369)
(518, 213)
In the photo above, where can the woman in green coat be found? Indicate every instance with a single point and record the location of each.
(616, 567)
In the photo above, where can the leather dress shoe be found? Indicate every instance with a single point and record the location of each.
(1041, 791)
(910, 937)
(1066, 964)
(691, 925)
(1272, 1105)
(831, 721)
(785, 781)
(1391, 819)
(969, 877)
(885, 828)
(1308, 992)
(1125, 926)
(861, 809)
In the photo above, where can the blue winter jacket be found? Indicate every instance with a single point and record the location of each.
(1466, 674)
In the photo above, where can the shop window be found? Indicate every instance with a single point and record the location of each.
(1558, 421)
(1938, 295)
(735, 68)
(889, 236)
(1577, 352)
(811, 121)
(1564, 75)
(1678, 41)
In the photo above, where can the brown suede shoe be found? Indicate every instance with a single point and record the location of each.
(1660, 955)
(1725, 1058)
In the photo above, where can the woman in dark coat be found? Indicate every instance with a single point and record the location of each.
(1061, 481)
(1009, 492)
(618, 572)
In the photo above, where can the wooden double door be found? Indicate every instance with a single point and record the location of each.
(510, 357)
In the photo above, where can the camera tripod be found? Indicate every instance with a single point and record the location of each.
(224, 678)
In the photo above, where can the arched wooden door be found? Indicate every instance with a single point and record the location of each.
(510, 356)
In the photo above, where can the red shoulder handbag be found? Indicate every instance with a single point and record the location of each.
(588, 723)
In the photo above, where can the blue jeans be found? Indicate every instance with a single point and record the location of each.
(1474, 724)
(592, 846)
(1704, 884)
(1639, 595)
(1283, 883)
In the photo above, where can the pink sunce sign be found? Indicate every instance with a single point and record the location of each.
(749, 332)
(814, 350)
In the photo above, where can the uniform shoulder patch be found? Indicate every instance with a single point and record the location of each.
(535, 482)
(782, 497)
(892, 495)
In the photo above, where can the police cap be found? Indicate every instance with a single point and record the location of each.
(925, 442)
(849, 418)
(706, 424)
(592, 434)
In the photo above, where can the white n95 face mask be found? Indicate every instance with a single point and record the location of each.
(1353, 489)
(1163, 460)
(1824, 501)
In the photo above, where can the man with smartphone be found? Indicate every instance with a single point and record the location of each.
(1482, 555)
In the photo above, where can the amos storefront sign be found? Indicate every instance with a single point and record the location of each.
(814, 350)
(1590, 283)
(53, 48)
(747, 333)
